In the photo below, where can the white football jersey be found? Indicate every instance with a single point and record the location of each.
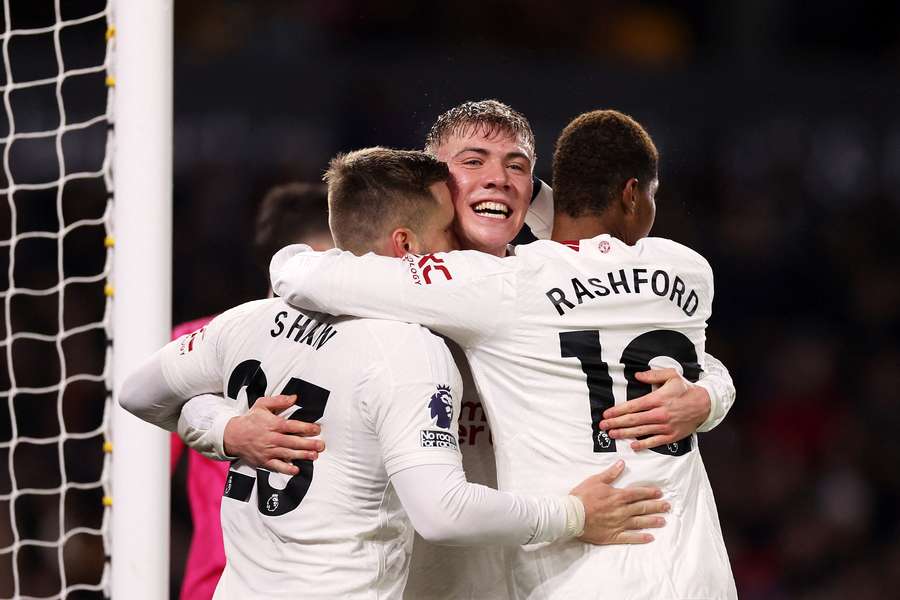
(554, 336)
(386, 395)
(440, 572)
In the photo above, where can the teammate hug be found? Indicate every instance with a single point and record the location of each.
(586, 457)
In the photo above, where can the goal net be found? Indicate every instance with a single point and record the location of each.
(55, 236)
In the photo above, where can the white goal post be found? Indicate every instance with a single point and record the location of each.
(85, 294)
(142, 288)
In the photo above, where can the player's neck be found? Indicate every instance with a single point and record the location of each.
(580, 228)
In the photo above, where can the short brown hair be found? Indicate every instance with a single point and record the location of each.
(289, 214)
(490, 116)
(373, 190)
(596, 154)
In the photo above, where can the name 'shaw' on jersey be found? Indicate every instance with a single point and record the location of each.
(385, 395)
(304, 330)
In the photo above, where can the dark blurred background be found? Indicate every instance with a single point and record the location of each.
(778, 123)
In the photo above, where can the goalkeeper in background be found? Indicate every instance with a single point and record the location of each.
(290, 213)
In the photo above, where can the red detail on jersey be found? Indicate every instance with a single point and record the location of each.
(605, 247)
(572, 244)
(188, 331)
(190, 341)
(429, 257)
(443, 270)
(426, 268)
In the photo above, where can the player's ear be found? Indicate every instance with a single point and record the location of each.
(629, 198)
(402, 242)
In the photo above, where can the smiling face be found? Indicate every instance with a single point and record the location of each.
(491, 183)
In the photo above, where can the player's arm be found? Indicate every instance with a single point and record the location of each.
(261, 437)
(413, 410)
(717, 382)
(464, 295)
(202, 422)
(415, 417)
(446, 509)
(676, 409)
(187, 366)
(150, 395)
(165, 386)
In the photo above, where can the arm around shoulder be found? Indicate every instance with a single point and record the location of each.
(458, 294)
(183, 368)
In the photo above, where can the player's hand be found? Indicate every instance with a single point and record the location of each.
(262, 438)
(667, 415)
(611, 515)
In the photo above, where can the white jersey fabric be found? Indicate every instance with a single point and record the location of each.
(440, 572)
(387, 398)
(539, 217)
(347, 536)
(554, 336)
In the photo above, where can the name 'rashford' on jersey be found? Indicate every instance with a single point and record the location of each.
(386, 395)
(554, 336)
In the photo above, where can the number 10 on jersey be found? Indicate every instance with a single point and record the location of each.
(585, 346)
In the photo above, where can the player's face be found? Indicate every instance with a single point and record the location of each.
(491, 185)
(438, 234)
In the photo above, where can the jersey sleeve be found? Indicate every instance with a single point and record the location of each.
(718, 383)
(446, 509)
(191, 364)
(464, 295)
(185, 367)
(202, 424)
(415, 410)
(194, 363)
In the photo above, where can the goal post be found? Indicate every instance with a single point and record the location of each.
(85, 182)
(142, 288)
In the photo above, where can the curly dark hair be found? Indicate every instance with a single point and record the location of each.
(490, 116)
(596, 154)
(374, 190)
